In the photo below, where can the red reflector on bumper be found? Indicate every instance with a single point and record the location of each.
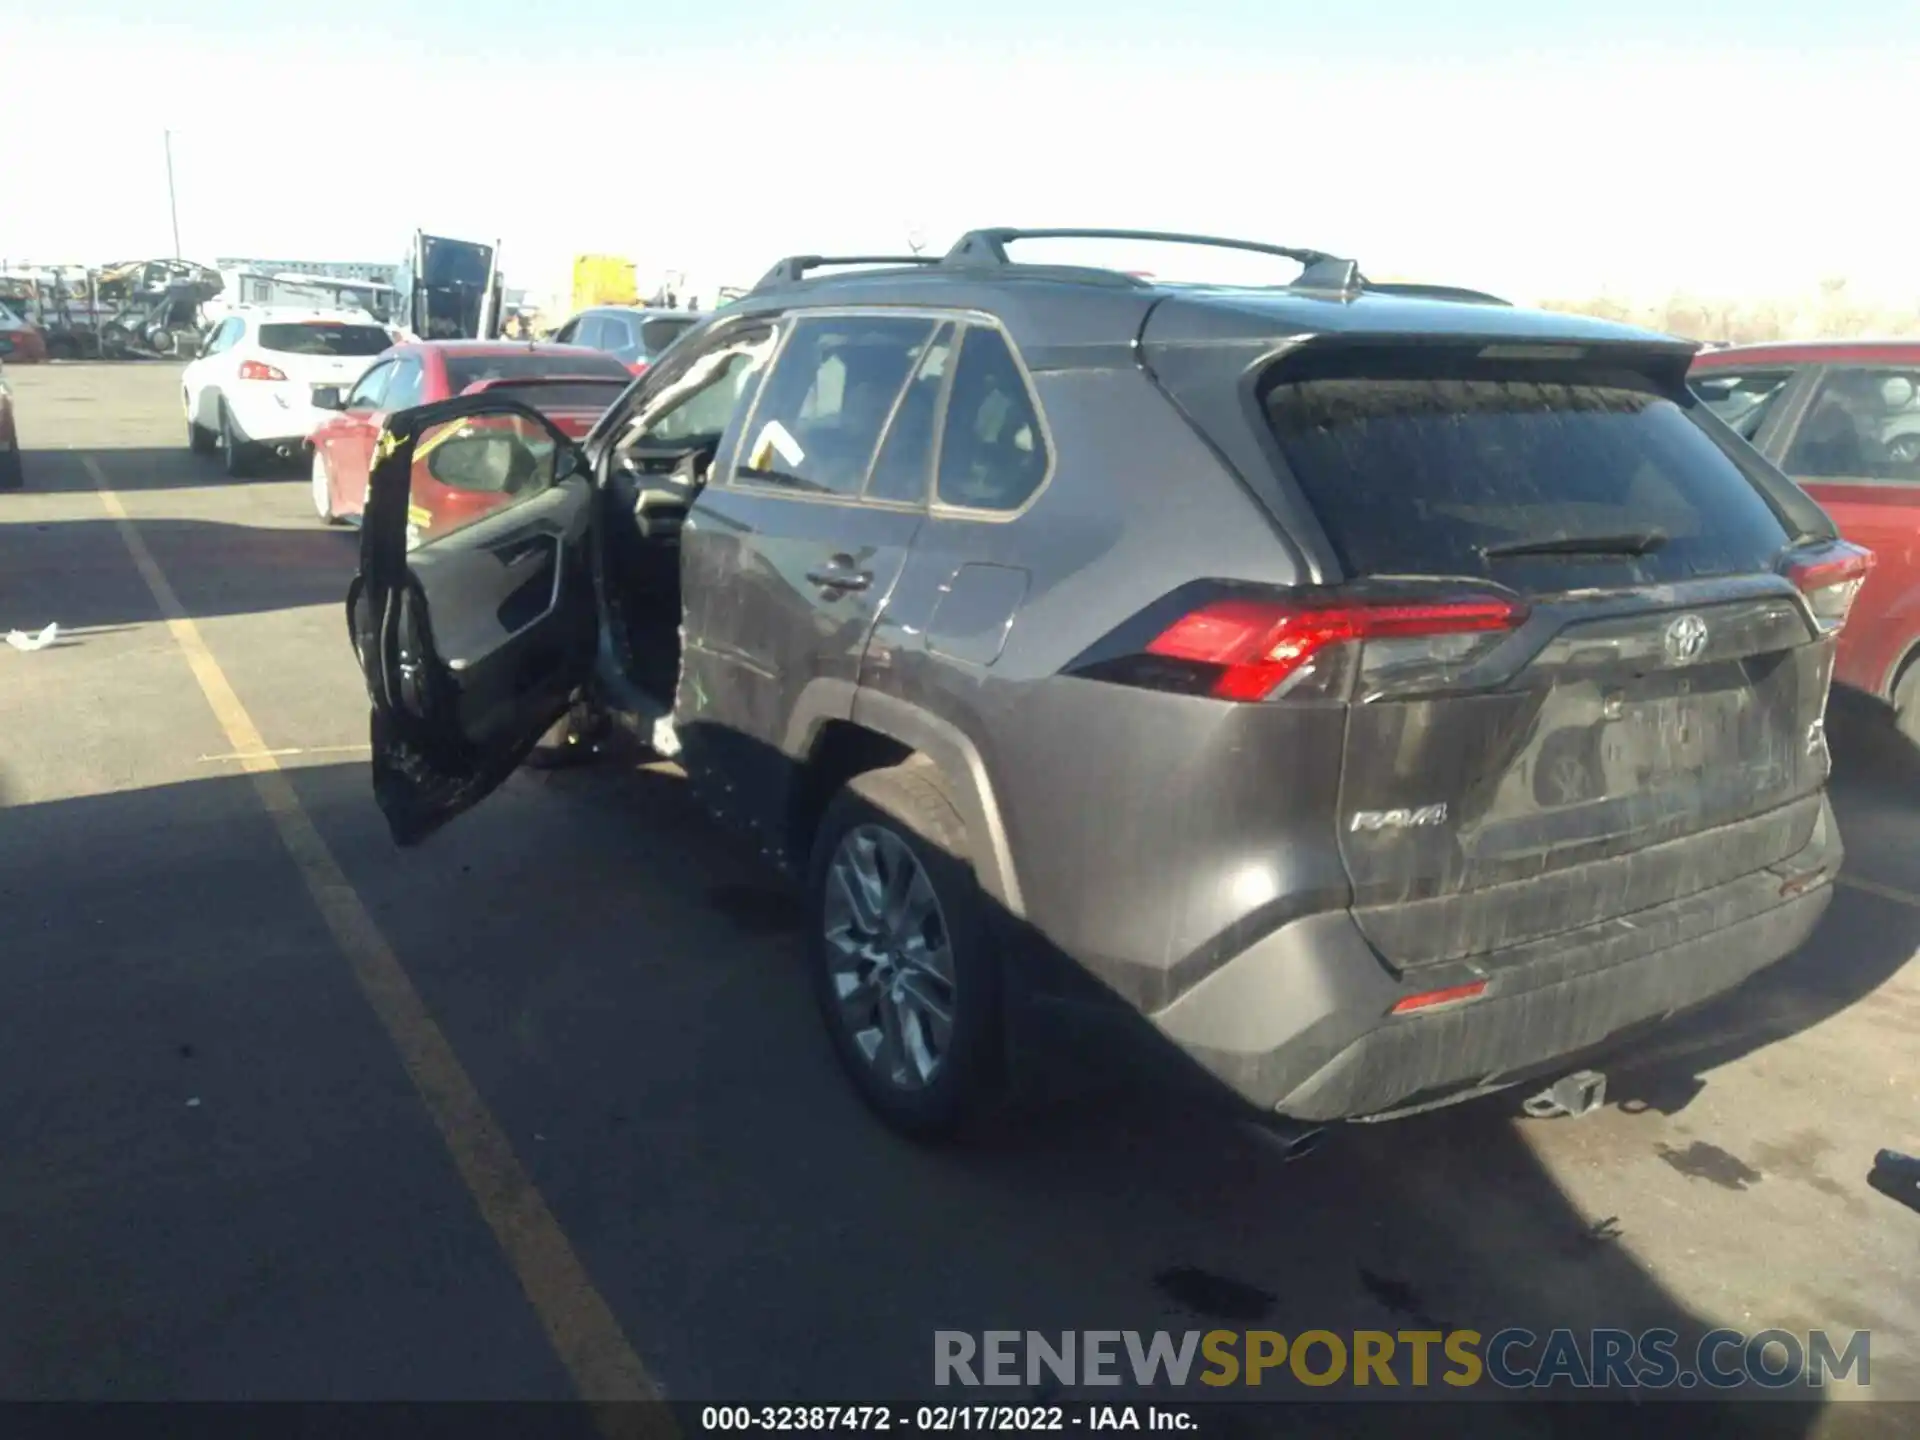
(1449, 996)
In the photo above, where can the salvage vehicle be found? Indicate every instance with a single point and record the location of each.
(1842, 418)
(250, 391)
(635, 335)
(1386, 694)
(12, 469)
(569, 385)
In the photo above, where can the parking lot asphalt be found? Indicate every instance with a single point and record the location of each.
(542, 1107)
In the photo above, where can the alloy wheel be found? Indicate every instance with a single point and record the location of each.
(890, 957)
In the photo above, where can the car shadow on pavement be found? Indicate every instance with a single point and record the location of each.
(626, 987)
(75, 571)
(144, 468)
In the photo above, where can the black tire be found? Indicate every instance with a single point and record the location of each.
(236, 455)
(13, 475)
(909, 803)
(200, 440)
(1906, 702)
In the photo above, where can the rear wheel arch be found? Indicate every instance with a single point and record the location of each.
(962, 772)
(839, 752)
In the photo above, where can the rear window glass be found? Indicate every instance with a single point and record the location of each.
(586, 395)
(1425, 473)
(465, 370)
(657, 334)
(309, 337)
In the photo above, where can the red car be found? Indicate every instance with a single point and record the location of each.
(569, 384)
(1842, 418)
(19, 341)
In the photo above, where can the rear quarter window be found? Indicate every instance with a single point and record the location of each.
(658, 333)
(1422, 471)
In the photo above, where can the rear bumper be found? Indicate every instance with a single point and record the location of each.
(269, 414)
(1299, 1023)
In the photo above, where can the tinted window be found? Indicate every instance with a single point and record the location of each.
(1416, 473)
(465, 370)
(830, 393)
(1742, 398)
(659, 331)
(318, 337)
(1864, 424)
(992, 455)
(371, 389)
(609, 332)
(904, 466)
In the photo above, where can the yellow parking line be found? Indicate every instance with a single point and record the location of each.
(1885, 892)
(579, 1324)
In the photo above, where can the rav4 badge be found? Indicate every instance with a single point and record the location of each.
(1421, 818)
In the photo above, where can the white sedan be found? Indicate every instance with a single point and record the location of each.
(250, 391)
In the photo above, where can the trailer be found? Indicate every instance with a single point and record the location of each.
(451, 289)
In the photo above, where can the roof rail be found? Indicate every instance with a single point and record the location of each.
(1320, 271)
(794, 268)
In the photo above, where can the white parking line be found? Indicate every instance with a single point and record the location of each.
(580, 1325)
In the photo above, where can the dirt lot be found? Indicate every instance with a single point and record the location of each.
(542, 1108)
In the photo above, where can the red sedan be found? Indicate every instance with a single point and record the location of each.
(569, 384)
(1842, 418)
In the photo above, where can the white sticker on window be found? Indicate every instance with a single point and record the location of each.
(774, 440)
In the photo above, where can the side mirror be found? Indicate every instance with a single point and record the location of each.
(328, 397)
(490, 460)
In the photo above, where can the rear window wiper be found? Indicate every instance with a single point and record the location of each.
(1632, 542)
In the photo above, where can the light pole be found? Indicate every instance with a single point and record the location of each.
(173, 208)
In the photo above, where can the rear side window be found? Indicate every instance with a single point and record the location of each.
(1864, 424)
(1435, 473)
(660, 331)
(992, 454)
(309, 337)
(830, 393)
(1742, 398)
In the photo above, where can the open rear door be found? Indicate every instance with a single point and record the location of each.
(474, 640)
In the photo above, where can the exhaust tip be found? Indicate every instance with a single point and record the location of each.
(1288, 1139)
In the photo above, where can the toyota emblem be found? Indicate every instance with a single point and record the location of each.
(1686, 640)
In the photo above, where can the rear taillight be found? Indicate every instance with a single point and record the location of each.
(1830, 578)
(1429, 999)
(1245, 647)
(638, 367)
(260, 370)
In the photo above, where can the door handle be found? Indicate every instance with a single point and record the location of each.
(840, 576)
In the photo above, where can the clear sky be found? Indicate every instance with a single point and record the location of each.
(1734, 147)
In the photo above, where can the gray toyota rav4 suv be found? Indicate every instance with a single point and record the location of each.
(1385, 693)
